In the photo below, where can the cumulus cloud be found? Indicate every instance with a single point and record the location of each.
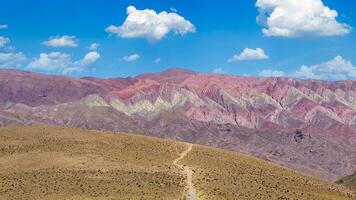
(295, 18)
(335, 69)
(62, 62)
(3, 26)
(94, 46)
(250, 54)
(151, 25)
(62, 41)
(271, 73)
(11, 60)
(4, 41)
(131, 58)
(89, 58)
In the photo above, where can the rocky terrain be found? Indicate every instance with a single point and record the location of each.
(306, 125)
(41, 162)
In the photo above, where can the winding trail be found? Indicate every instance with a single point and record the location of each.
(188, 172)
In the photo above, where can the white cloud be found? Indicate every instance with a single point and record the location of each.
(4, 41)
(219, 70)
(305, 72)
(62, 62)
(295, 18)
(11, 60)
(94, 46)
(4, 45)
(250, 54)
(131, 58)
(271, 73)
(151, 25)
(62, 41)
(158, 60)
(52, 61)
(3, 26)
(89, 58)
(333, 70)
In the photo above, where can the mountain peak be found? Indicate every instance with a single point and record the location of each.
(172, 75)
(178, 70)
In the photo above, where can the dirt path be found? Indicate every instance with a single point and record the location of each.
(188, 172)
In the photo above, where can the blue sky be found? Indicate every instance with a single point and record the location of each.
(222, 29)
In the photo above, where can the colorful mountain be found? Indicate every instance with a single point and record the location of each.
(306, 125)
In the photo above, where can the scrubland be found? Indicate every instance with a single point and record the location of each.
(38, 162)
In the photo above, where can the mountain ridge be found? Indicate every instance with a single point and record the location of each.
(260, 116)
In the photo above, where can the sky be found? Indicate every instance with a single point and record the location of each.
(307, 39)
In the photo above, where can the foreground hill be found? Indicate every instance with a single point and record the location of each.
(349, 181)
(256, 116)
(59, 163)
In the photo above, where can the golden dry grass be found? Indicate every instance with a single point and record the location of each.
(222, 175)
(58, 163)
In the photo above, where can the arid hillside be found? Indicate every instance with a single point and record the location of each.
(40, 162)
(349, 181)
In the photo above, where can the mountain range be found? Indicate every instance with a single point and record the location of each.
(306, 125)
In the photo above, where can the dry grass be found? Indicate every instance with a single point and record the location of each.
(57, 163)
(222, 175)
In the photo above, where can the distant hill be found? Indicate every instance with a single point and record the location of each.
(305, 125)
(60, 163)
